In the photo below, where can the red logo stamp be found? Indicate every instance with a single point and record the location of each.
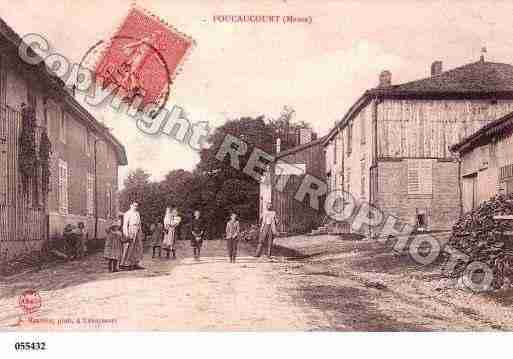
(143, 57)
(29, 301)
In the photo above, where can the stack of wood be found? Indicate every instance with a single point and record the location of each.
(484, 234)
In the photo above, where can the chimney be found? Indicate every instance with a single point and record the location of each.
(436, 68)
(385, 78)
(278, 145)
(483, 52)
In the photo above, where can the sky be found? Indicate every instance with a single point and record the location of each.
(243, 69)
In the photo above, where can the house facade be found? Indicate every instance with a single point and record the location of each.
(282, 182)
(391, 148)
(486, 162)
(83, 161)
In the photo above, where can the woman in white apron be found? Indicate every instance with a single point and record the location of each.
(171, 222)
(133, 248)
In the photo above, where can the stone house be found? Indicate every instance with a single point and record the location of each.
(391, 148)
(486, 162)
(83, 162)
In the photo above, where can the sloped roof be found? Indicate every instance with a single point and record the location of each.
(477, 77)
(499, 127)
(13, 38)
(481, 79)
(299, 148)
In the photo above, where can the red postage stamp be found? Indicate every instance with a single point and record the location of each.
(29, 301)
(143, 57)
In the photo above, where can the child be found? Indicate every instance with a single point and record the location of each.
(232, 236)
(81, 240)
(171, 222)
(70, 239)
(197, 233)
(156, 238)
(113, 246)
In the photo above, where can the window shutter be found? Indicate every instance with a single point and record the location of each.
(108, 211)
(420, 177)
(363, 178)
(60, 184)
(62, 127)
(348, 186)
(63, 187)
(3, 174)
(66, 204)
(90, 194)
(362, 128)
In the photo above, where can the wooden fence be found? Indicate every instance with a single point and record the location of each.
(23, 217)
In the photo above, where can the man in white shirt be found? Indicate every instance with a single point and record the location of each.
(267, 231)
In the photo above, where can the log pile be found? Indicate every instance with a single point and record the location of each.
(487, 239)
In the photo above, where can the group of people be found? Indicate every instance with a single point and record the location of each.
(76, 239)
(124, 243)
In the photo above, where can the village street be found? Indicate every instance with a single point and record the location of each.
(314, 283)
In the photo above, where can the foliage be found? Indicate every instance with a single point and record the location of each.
(27, 141)
(214, 187)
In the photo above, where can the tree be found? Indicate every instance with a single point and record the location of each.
(214, 187)
(226, 188)
(137, 188)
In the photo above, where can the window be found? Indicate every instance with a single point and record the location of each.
(62, 127)
(421, 221)
(363, 178)
(109, 158)
(90, 194)
(485, 157)
(349, 138)
(3, 127)
(45, 116)
(506, 178)
(420, 177)
(63, 187)
(3, 174)
(341, 179)
(108, 201)
(348, 179)
(87, 143)
(509, 186)
(362, 128)
(335, 150)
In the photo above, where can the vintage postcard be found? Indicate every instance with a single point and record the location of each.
(255, 166)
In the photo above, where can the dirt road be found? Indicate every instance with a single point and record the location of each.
(182, 294)
(319, 283)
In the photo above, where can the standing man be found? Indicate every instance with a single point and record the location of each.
(267, 231)
(133, 248)
(232, 236)
(198, 229)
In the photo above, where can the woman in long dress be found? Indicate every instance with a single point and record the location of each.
(171, 222)
(133, 248)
